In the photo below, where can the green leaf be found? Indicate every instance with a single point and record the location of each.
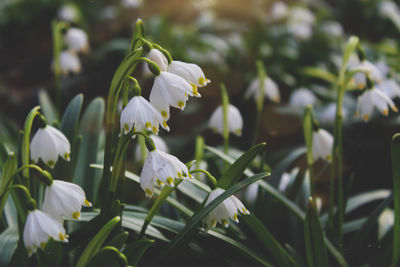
(8, 172)
(20, 256)
(135, 250)
(108, 256)
(233, 173)
(47, 107)
(191, 226)
(319, 73)
(52, 254)
(8, 244)
(314, 238)
(365, 198)
(261, 233)
(395, 151)
(95, 244)
(90, 129)
(119, 240)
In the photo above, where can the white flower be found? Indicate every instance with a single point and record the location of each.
(64, 200)
(279, 10)
(140, 114)
(170, 90)
(389, 9)
(302, 31)
(39, 228)
(68, 13)
(190, 72)
(161, 168)
(390, 87)
(48, 143)
(131, 3)
(385, 222)
(322, 144)
(227, 209)
(235, 120)
(270, 89)
(328, 115)
(250, 193)
(301, 15)
(284, 182)
(159, 144)
(69, 62)
(332, 28)
(301, 98)
(77, 40)
(158, 57)
(372, 71)
(369, 99)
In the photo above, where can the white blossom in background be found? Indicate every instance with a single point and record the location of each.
(383, 67)
(226, 210)
(284, 182)
(390, 87)
(389, 9)
(328, 114)
(301, 31)
(162, 169)
(47, 144)
(332, 28)
(140, 114)
(235, 120)
(374, 98)
(322, 143)
(64, 200)
(68, 13)
(131, 3)
(159, 144)
(270, 90)
(385, 222)
(372, 71)
(301, 98)
(279, 10)
(170, 90)
(39, 228)
(69, 63)
(158, 57)
(250, 193)
(300, 22)
(203, 166)
(77, 40)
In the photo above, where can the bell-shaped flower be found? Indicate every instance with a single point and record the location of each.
(328, 115)
(270, 90)
(332, 28)
(367, 68)
(69, 63)
(77, 40)
(235, 120)
(68, 12)
(158, 57)
(301, 98)
(162, 169)
(64, 200)
(390, 87)
(279, 10)
(322, 143)
(226, 210)
(369, 99)
(140, 114)
(48, 143)
(159, 144)
(192, 73)
(170, 90)
(39, 228)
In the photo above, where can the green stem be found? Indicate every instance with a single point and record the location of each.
(225, 106)
(44, 173)
(199, 150)
(166, 191)
(209, 176)
(308, 136)
(337, 150)
(261, 75)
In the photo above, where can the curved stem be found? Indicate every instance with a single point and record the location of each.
(209, 176)
(44, 173)
(26, 139)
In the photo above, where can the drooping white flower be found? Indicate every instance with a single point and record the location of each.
(300, 22)
(158, 57)
(131, 3)
(227, 209)
(385, 222)
(48, 143)
(390, 87)
(322, 144)
(39, 228)
(372, 71)
(389, 9)
(235, 120)
(369, 99)
(302, 31)
(159, 144)
(140, 114)
(270, 90)
(332, 28)
(64, 200)
(69, 62)
(284, 182)
(170, 90)
(77, 40)
(328, 114)
(192, 73)
(250, 193)
(68, 13)
(279, 10)
(301, 98)
(300, 14)
(162, 169)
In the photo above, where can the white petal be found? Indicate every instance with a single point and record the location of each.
(158, 57)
